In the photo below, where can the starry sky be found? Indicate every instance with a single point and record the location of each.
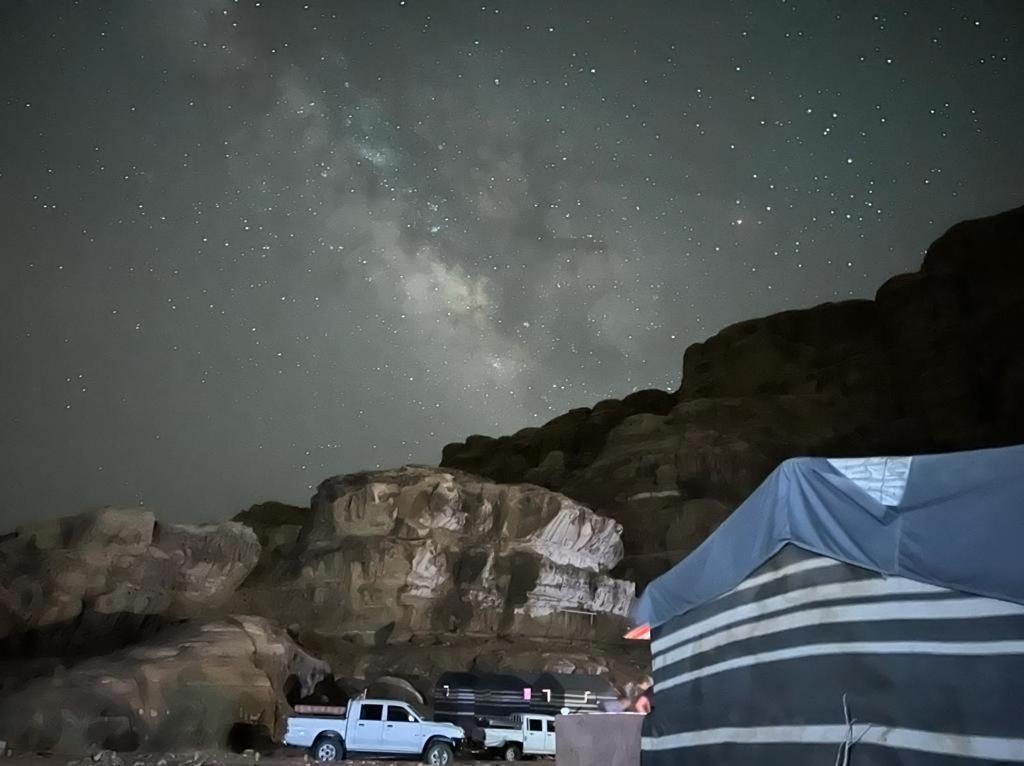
(248, 245)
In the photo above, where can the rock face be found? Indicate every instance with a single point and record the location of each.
(549, 454)
(387, 555)
(194, 686)
(112, 632)
(934, 363)
(273, 523)
(94, 582)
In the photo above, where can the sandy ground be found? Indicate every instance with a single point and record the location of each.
(199, 759)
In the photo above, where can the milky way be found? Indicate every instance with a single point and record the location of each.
(248, 245)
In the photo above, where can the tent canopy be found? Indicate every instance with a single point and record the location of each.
(954, 520)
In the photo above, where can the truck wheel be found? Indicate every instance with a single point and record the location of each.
(328, 748)
(438, 754)
(512, 752)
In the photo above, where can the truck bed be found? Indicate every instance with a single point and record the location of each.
(496, 736)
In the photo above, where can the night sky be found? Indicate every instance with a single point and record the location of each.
(248, 245)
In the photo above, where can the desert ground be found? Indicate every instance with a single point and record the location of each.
(284, 758)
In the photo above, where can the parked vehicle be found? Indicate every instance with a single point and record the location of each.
(532, 735)
(374, 728)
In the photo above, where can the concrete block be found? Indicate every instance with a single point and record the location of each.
(609, 739)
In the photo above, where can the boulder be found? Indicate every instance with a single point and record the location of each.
(93, 582)
(274, 523)
(194, 686)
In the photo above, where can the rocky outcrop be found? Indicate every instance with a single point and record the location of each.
(274, 523)
(411, 572)
(97, 581)
(938, 351)
(386, 555)
(193, 687)
(549, 454)
(934, 363)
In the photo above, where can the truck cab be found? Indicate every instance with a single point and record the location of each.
(530, 734)
(375, 728)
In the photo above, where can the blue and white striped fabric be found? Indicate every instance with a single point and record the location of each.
(808, 656)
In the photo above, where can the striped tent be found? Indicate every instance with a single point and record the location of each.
(864, 611)
(465, 698)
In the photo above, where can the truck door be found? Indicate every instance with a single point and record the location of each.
(533, 736)
(549, 737)
(366, 733)
(402, 731)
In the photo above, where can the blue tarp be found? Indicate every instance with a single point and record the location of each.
(959, 524)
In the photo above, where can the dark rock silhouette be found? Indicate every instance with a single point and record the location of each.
(934, 363)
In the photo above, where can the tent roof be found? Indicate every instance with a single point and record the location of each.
(954, 520)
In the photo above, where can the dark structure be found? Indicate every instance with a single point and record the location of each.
(872, 605)
(468, 699)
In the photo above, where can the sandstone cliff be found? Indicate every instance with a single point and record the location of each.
(386, 555)
(935, 362)
(93, 582)
(112, 631)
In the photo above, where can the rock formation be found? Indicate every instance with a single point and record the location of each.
(548, 454)
(105, 617)
(194, 686)
(387, 555)
(273, 523)
(933, 363)
(97, 581)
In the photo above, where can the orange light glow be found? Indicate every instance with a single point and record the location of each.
(640, 633)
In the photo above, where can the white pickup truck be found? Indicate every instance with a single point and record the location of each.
(533, 735)
(375, 728)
